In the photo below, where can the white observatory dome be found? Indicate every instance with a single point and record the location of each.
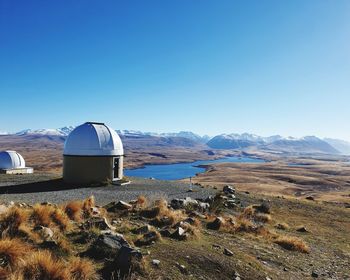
(11, 160)
(93, 139)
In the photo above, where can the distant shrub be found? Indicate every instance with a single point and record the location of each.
(292, 243)
(282, 226)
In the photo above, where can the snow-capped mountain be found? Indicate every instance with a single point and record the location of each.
(64, 131)
(307, 144)
(183, 134)
(340, 145)
(3, 133)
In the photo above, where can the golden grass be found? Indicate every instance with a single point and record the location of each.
(292, 243)
(12, 252)
(42, 214)
(60, 218)
(141, 201)
(161, 214)
(74, 210)
(12, 220)
(282, 226)
(42, 265)
(263, 218)
(82, 269)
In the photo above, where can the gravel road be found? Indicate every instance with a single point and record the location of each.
(41, 188)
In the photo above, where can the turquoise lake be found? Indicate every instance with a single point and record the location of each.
(178, 171)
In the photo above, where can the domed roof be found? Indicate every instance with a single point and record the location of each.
(11, 160)
(93, 139)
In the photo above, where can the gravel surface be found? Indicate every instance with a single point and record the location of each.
(30, 189)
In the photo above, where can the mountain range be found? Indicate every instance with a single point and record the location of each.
(277, 143)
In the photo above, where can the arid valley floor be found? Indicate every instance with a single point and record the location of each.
(288, 218)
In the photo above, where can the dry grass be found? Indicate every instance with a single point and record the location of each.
(79, 210)
(282, 226)
(262, 218)
(292, 243)
(245, 225)
(60, 218)
(4, 274)
(12, 252)
(74, 210)
(42, 265)
(142, 202)
(42, 214)
(162, 215)
(82, 269)
(12, 221)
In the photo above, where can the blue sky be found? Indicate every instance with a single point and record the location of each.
(266, 67)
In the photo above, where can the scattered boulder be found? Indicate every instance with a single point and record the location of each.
(182, 268)
(264, 207)
(302, 229)
(230, 203)
(100, 223)
(228, 252)
(143, 229)
(95, 211)
(229, 189)
(209, 199)
(195, 214)
(120, 205)
(45, 233)
(179, 234)
(190, 221)
(156, 262)
(310, 198)
(126, 258)
(314, 274)
(216, 224)
(107, 246)
(165, 232)
(147, 239)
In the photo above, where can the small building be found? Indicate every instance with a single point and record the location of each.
(12, 162)
(93, 153)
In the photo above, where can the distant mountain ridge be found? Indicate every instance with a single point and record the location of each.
(307, 144)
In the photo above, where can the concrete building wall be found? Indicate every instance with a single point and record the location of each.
(91, 169)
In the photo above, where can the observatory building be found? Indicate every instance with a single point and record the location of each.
(93, 153)
(12, 162)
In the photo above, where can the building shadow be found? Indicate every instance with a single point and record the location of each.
(37, 187)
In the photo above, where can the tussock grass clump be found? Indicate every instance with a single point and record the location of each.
(60, 218)
(292, 243)
(252, 212)
(263, 218)
(282, 226)
(4, 273)
(42, 214)
(12, 221)
(245, 225)
(79, 210)
(42, 265)
(82, 269)
(141, 202)
(74, 210)
(162, 215)
(12, 252)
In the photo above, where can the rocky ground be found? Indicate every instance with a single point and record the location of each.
(41, 187)
(227, 235)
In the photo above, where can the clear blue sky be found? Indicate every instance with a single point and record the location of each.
(266, 67)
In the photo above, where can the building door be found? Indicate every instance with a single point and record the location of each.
(116, 168)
